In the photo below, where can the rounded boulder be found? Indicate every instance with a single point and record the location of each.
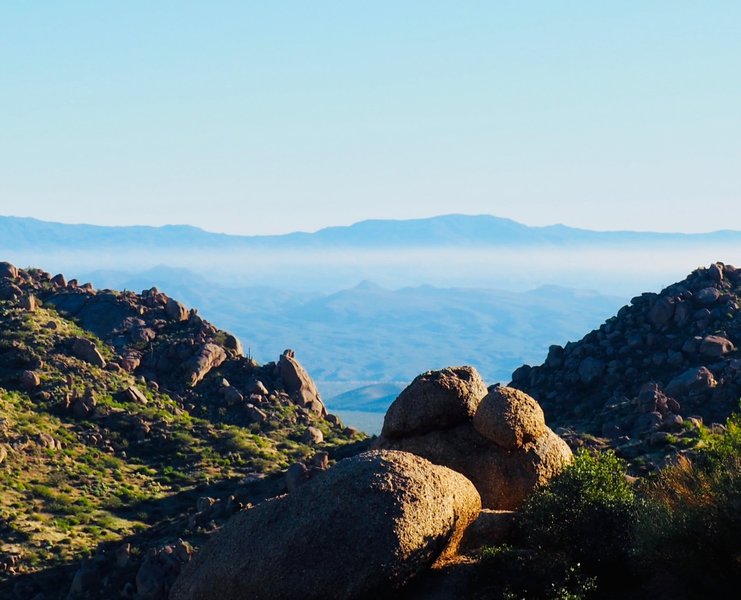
(509, 418)
(435, 400)
(362, 529)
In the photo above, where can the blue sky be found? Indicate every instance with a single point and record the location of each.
(266, 117)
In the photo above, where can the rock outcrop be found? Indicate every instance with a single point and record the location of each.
(500, 441)
(362, 529)
(682, 343)
(298, 384)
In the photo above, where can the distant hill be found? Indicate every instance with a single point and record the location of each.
(368, 334)
(462, 231)
(480, 251)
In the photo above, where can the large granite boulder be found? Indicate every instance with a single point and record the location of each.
(504, 446)
(362, 529)
(435, 400)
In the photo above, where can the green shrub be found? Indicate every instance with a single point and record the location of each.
(584, 516)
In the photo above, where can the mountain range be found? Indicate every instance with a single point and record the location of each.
(453, 230)
(374, 303)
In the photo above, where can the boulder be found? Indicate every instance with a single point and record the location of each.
(298, 383)
(503, 478)
(491, 528)
(255, 414)
(175, 310)
(84, 406)
(209, 356)
(591, 369)
(695, 378)
(661, 312)
(84, 349)
(232, 343)
(435, 400)
(312, 435)
(509, 418)
(29, 303)
(505, 448)
(715, 346)
(30, 380)
(232, 396)
(8, 271)
(134, 394)
(59, 280)
(9, 291)
(361, 529)
(707, 296)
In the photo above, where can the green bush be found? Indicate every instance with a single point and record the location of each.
(584, 516)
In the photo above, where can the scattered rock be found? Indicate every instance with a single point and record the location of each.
(133, 394)
(312, 435)
(715, 346)
(30, 380)
(29, 303)
(84, 349)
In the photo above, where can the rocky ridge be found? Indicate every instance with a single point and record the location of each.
(648, 379)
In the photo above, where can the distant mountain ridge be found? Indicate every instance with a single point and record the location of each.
(453, 230)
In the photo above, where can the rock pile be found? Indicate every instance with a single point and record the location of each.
(661, 360)
(362, 529)
(497, 438)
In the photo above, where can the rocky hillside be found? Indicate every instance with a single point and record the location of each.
(128, 422)
(652, 377)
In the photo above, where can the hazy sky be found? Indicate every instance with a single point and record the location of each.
(265, 117)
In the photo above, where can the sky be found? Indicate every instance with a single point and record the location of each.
(269, 117)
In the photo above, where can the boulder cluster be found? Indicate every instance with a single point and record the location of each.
(369, 524)
(664, 362)
(497, 437)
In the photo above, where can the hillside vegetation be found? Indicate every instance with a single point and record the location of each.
(119, 410)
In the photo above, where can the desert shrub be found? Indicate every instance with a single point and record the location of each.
(575, 535)
(692, 516)
(584, 516)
